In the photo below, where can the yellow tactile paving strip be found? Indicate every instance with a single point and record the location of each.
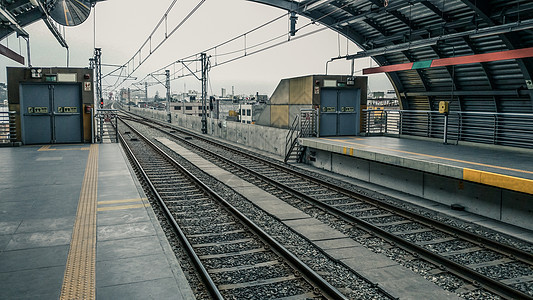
(79, 280)
(49, 148)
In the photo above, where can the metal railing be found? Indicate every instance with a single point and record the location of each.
(303, 125)
(107, 126)
(8, 133)
(308, 123)
(506, 129)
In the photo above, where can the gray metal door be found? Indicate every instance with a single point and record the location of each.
(36, 114)
(339, 112)
(50, 113)
(328, 113)
(67, 114)
(348, 121)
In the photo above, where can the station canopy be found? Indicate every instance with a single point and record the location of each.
(477, 54)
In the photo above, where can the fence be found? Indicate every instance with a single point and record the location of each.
(506, 129)
(106, 125)
(8, 132)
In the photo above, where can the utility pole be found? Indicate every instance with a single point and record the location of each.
(146, 92)
(98, 77)
(98, 83)
(167, 85)
(205, 64)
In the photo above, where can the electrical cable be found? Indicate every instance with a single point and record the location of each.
(242, 49)
(148, 40)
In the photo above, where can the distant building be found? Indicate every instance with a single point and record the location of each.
(3, 92)
(190, 108)
(189, 96)
(249, 112)
(246, 113)
(262, 98)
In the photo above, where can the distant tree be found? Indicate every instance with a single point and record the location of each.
(156, 97)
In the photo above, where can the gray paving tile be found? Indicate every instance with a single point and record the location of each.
(9, 227)
(42, 283)
(314, 229)
(61, 205)
(404, 284)
(39, 239)
(367, 260)
(336, 243)
(14, 211)
(349, 252)
(4, 240)
(130, 270)
(45, 224)
(121, 231)
(129, 247)
(115, 217)
(34, 258)
(164, 288)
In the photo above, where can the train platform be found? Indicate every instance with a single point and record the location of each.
(75, 224)
(490, 181)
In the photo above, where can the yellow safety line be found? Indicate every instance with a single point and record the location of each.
(488, 178)
(64, 149)
(83, 4)
(121, 201)
(433, 156)
(79, 279)
(123, 207)
(48, 148)
(65, 9)
(503, 181)
(44, 148)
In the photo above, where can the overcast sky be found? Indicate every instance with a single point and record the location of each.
(123, 25)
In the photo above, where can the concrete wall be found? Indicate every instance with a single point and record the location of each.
(264, 138)
(507, 206)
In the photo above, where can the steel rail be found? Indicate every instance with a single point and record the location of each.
(473, 276)
(208, 281)
(469, 236)
(312, 277)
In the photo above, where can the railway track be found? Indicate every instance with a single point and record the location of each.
(480, 262)
(235, 258)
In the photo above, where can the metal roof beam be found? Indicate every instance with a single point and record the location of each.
(436, 10)
(310, 5)
(8, 17)
(283, 4)
(491, 93)
(23, 20)
(483, 10)
(494, 30)
(53, 29)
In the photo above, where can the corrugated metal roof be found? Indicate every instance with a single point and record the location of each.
(433, 29)
(415, 30)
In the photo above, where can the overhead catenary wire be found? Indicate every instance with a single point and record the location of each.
(149, 40)
(244, 49)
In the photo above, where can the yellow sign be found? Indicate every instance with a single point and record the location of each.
(67, 109)
(331, 109)
(444, 107)
(38, 110)
(348, 109)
